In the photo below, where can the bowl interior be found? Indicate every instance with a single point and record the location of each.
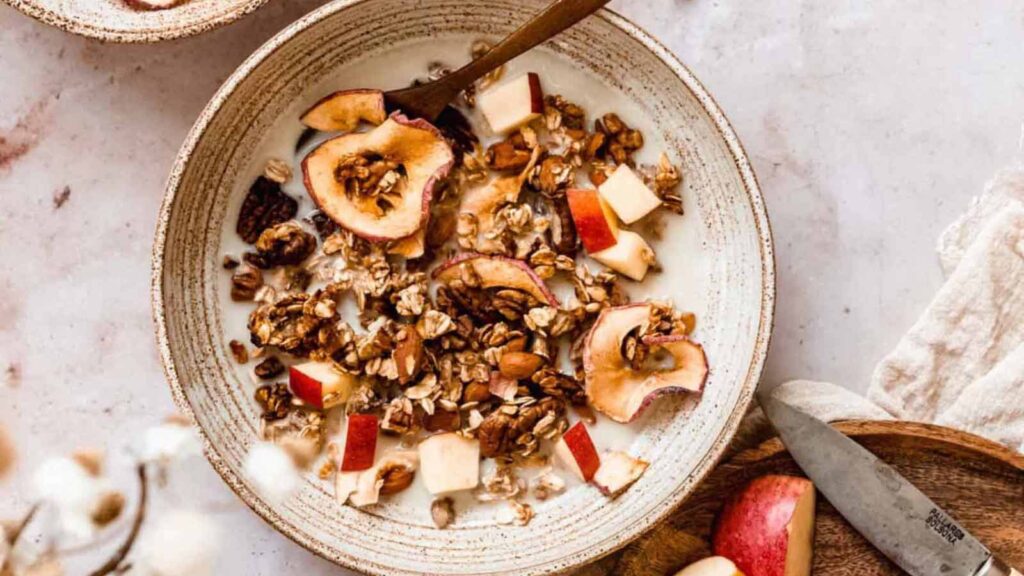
(727, 267)
(113, 20)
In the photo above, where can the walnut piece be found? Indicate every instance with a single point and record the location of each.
(245, 282)
(285, 244)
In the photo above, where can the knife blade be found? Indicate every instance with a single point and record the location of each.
(899, 520)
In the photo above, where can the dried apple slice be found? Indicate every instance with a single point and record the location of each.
(498, 272)
(343, 111)
(613, 387)
(419, 157)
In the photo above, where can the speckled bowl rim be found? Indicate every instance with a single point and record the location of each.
(137, 36)
(628, 533)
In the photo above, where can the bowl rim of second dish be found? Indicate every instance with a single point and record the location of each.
(127, 36)
(599, 549)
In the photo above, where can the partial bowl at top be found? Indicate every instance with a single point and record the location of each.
(723, 264)
(115, 21)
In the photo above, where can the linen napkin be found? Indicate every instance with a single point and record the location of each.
(962, 363)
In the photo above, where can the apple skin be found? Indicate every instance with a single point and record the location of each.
(581, 449)
(305, 388)
(595, 224)
(761, 525)
(360, 442)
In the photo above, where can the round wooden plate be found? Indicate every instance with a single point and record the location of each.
(979, 482)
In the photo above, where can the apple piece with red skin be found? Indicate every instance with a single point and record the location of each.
(450, 463)
(767, 528)
(343, 111)
(613, 387)
(320, 385)
(575, 450)
(628, 195)
(498, 272)
(596, 223)
(617, 472)
(360, 442)
(713, 566)
(421, 152)
(512, 104)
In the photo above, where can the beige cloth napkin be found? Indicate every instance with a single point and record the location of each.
(962, 363)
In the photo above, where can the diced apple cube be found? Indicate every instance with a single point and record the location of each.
(512, 104)
(628, 195)
(320, 384)
(631, 256)
(360, 442)
(596, 223)
(618, 471)
(575, 450)
(449, 463)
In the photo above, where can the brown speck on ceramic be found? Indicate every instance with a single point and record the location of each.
(115, 21)
(60, 198)
(682, 439)
(21, 138)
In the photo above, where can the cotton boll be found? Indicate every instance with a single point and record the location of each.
(73, 492)
(169, 442)
(179, 543)
(272, 471)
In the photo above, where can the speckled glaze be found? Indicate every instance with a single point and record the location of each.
(682, 438)
(114, 21)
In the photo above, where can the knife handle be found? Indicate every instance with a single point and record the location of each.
(999, 568)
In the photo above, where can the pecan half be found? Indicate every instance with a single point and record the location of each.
(265, 205)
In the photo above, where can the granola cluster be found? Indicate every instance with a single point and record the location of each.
(440, 343)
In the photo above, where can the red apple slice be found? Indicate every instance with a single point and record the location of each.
(630, 256)
(498, 272)
(713, 566)
(767, 528)
(575, 450)
(360, 442)
(512, 104)
(628, 195)
(343, 111)
(320, 385)
(449, 463)
(613, 387)
(423, 156)
(618, 471)
(596, 223)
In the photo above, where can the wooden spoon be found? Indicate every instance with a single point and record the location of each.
(428, 100)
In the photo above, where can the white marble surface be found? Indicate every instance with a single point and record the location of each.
(870, 125)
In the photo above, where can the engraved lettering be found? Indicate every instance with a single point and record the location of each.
(944, 526)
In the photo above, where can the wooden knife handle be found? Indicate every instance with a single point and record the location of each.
(1000, 568)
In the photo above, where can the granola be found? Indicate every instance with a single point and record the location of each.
(455, 335)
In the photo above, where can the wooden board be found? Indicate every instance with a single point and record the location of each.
(979, 482)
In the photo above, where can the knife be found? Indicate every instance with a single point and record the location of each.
(904, 524)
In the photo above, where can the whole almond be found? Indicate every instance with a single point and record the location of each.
(517, 344)
(519, 365)
(476, 392)
(396, 477)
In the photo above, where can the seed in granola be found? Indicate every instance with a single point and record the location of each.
(278, 171)
(519, 365)
(265, 205)
(244, 283)
(230, 262)
(476, 392)
(269, 368)
(238, 351)
(442, 511)
(395, 477)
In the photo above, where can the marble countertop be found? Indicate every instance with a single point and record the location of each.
(870, 125)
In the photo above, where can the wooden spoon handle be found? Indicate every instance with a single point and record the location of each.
(556, 18)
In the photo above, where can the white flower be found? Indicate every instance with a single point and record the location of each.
(180, 543)
(168, 442)
(272, 471)
(73, 492)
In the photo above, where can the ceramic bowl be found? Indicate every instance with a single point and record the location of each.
(683, 440)
(114, 21)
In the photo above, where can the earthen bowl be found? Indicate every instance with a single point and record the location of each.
(114, 21)
(683, 440)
